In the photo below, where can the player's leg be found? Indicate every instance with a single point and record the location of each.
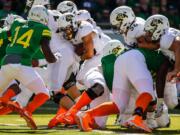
(12, 90)
(61, 99)
(141, 79)
(95, 84)
(32, 80)
(120, 97)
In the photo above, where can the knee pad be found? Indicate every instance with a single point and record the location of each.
(95, 91)
(70, 82)
(170, 95)
(57, 97)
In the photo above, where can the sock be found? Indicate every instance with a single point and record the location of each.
(83, 101)
(37, 101)
(143, 101)
(9, 93)
(104, 109)
(7, 110)
(61, 110)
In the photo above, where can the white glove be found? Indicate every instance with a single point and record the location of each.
(58, 56)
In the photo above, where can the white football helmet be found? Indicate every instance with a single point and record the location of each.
(10, 19)
(122, 18)
(67, 25)
(156, 25)
(67, 7)
(84, 15)
(39, 13)
(113, 47)
(31, 3)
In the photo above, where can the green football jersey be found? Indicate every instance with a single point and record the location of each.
(154, 60)
(38, 55)
(4, 41)
(108, 69)
(26, 37)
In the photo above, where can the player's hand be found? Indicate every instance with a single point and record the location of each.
(58, 56)
(171, 76)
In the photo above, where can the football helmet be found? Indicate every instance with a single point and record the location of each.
(113, 47)
(67, 25)
(155, 26)
(122, 18)
(39, 13)
(67, 7)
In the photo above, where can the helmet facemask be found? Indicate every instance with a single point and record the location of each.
(155, 27)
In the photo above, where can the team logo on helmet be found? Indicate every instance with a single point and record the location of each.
(116, 50)
(121, 16)
(155, 23)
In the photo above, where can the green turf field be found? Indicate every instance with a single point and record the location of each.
(14, 125)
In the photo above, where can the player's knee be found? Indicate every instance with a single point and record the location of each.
(15, 87)
(57, 97)
(95, 91)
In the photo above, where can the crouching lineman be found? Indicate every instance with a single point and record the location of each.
(160, 35)
(85, 38)
(130, 69)
(27, 38)
(131, 28)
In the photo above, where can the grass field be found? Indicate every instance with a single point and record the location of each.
(14, 125)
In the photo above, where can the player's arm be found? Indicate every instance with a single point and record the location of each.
(175, 47)
(161, 77)
(88, 46)
(47, 51)
(142, 43)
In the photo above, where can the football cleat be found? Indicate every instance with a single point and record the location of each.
(24, 114)
(137, 122)
(84, 121)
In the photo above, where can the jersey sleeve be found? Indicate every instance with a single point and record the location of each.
(137, 28)
(85, 29)
(46, 32)
(166, 41)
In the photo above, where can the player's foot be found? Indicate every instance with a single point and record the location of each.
(151, 121)
(24, 113)
(70, 117)
(58, 119)
(137, 123)
(84, 121)
(162, 116)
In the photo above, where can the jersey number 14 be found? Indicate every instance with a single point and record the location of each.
(23, 39)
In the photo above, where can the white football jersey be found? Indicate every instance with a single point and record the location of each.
(84, 29)
(136, 30)
(167, 40)
(52, 24)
